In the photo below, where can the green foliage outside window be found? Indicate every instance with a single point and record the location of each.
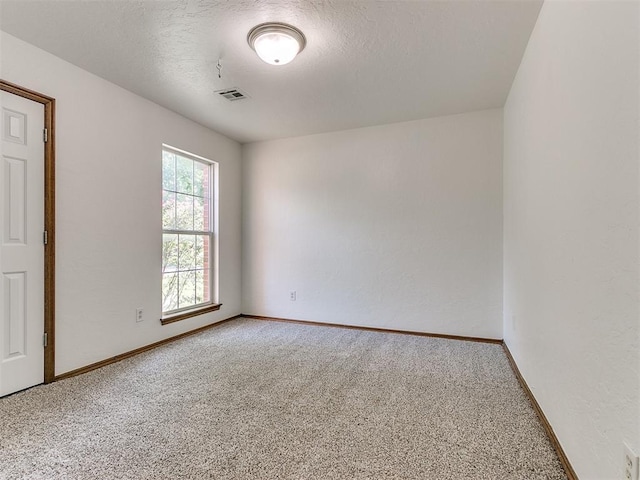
(186, 223)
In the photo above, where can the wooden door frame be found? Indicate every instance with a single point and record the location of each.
(49, 220)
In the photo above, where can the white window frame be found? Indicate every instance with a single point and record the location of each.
(212, 304)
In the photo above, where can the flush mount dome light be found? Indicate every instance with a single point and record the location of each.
(276, 43)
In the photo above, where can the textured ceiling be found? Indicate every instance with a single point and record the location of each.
(366, 62)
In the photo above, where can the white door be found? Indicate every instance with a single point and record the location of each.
(21, 244)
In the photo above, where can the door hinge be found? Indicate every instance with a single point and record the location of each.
(45, 237)
(45, 339)
(45, 135)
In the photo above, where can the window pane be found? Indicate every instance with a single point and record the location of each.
(187, 289)
(200, 223)
(168, 171)
(202, 286)
(201, 179)
(169, 291)
(184, 169)
(202, 252)
(168, 210)
(184, 212)
(169, 253)
(187, 246)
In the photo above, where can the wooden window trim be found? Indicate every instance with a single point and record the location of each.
(190, 313)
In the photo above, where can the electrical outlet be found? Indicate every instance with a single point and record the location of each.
(630, 464)
(292, 295)
(139, 314)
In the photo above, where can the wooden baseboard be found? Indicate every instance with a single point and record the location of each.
(571, 474)
(373, 329)
(146, 348)
(131, 353)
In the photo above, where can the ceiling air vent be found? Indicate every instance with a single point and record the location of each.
(232, 94)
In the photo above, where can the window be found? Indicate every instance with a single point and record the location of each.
(188, 233)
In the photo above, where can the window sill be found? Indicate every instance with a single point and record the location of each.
(191, 313)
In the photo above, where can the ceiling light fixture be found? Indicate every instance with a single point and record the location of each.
(276, 43)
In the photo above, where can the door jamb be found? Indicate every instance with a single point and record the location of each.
(49, 220)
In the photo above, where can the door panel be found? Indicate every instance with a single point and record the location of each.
(21, 247)
(15, 191)
(15, 310)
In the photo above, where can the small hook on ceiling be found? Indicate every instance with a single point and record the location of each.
(219, 67)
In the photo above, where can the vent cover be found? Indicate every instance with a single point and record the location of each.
(232, 94)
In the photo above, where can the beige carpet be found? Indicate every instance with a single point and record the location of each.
(266, 400)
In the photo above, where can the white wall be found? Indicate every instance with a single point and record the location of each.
(571, 227)
(397, 226)
(108, 221)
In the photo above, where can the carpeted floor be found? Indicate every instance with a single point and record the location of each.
(267, 400)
